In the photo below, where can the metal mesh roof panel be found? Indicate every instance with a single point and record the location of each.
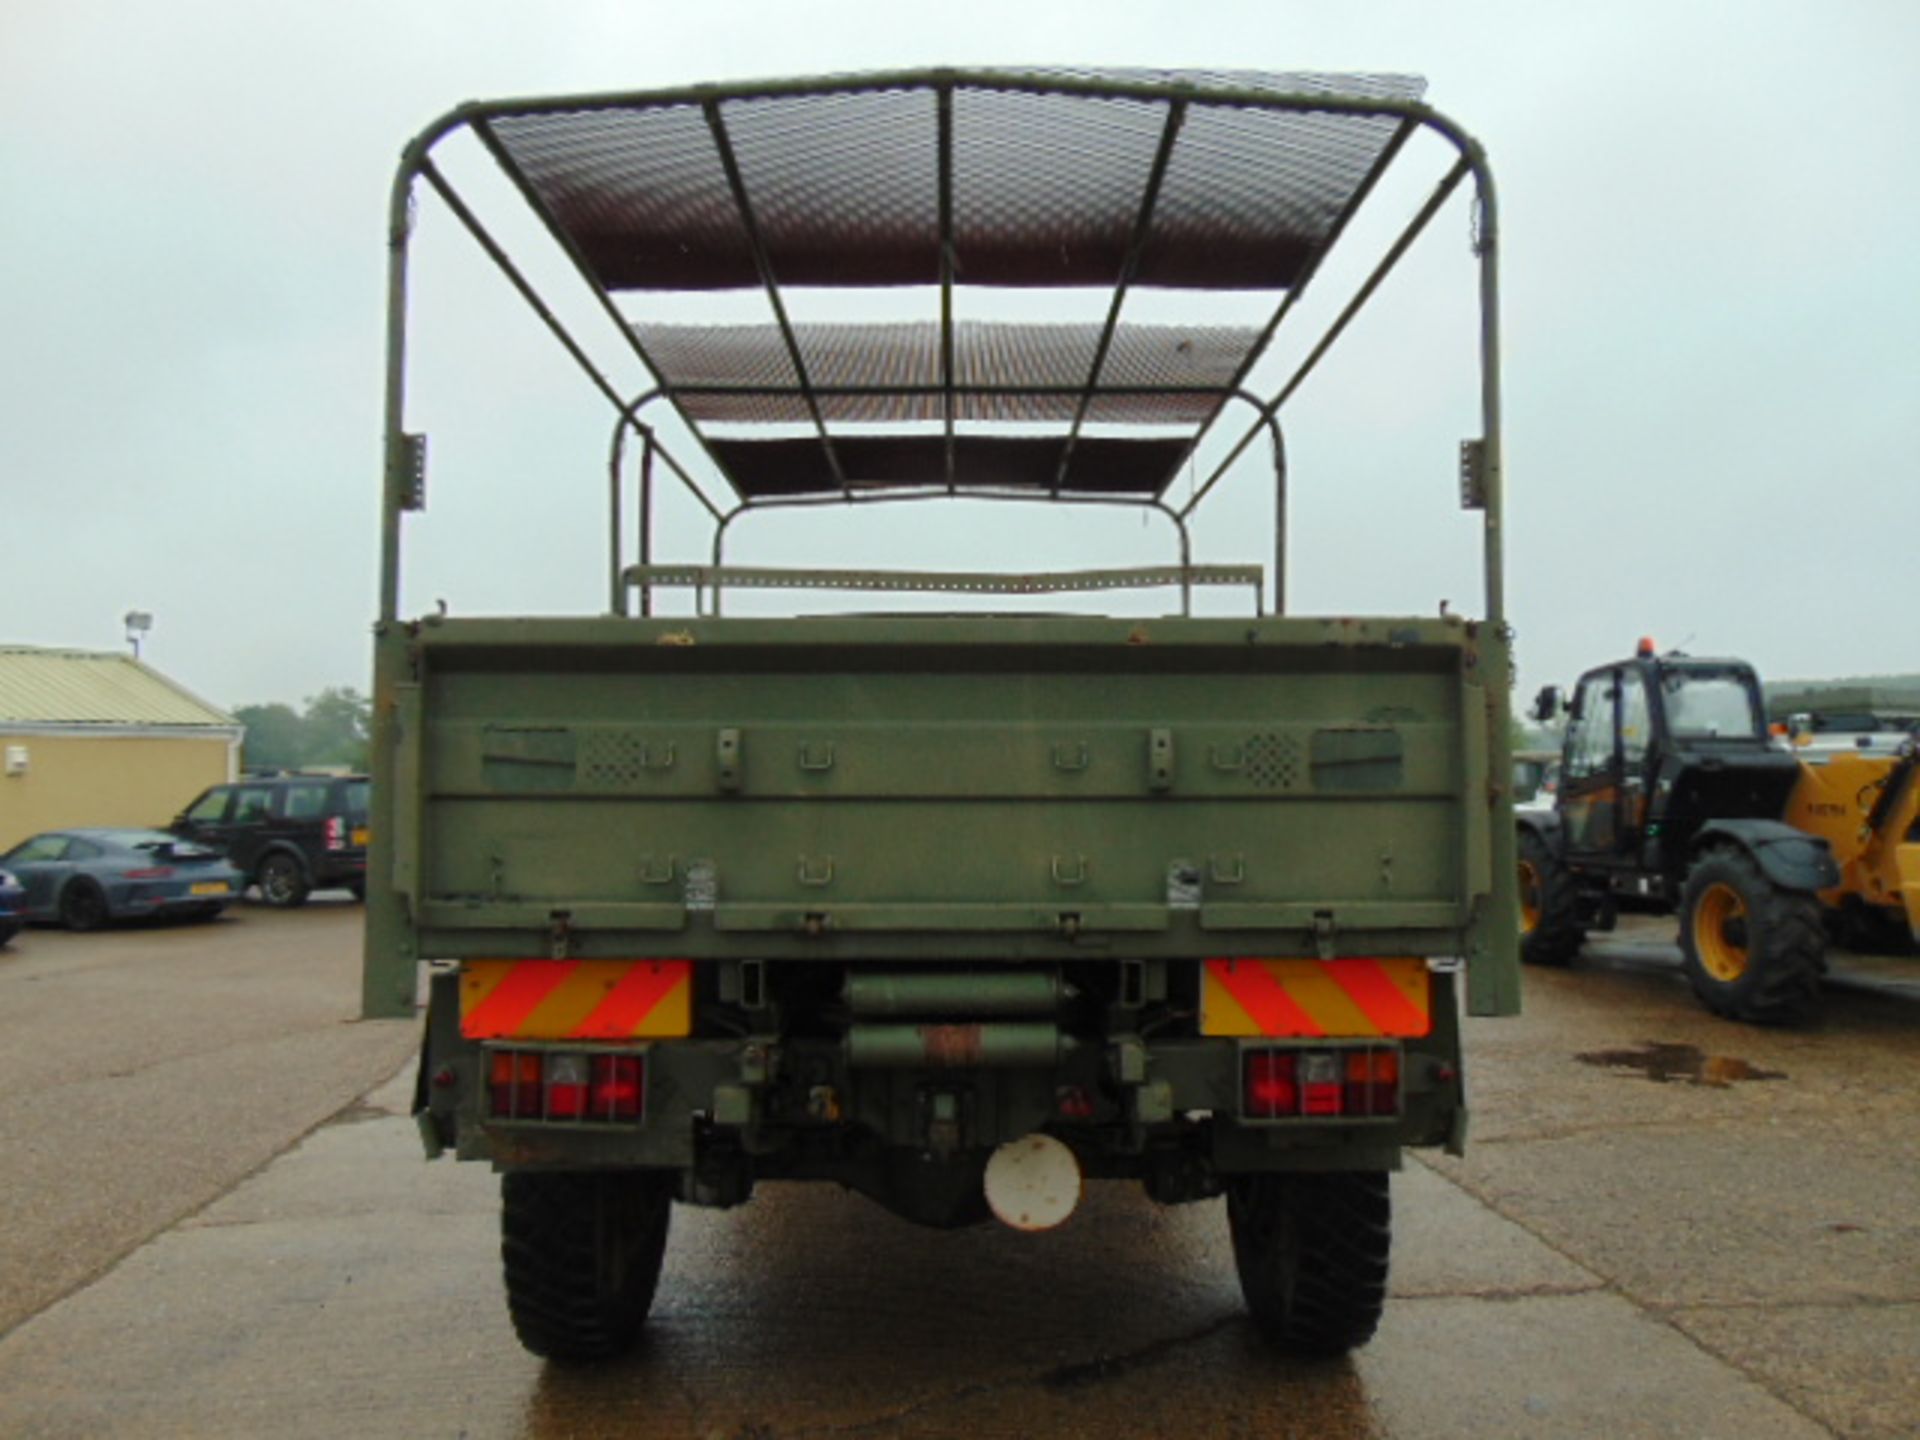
(844, 186)
(1063, 179)
(1152, 374)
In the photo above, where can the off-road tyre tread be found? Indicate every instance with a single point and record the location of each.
(1312, 1251)
(1559, 935)
(560, 1236)
(1787, 945)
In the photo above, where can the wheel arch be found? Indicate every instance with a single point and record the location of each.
(80, 884)
(283, 847)
(1546, 825)
(1791, 859)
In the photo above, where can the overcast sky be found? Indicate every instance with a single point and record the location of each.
(1712, 322)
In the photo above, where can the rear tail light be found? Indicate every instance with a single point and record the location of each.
(1272, 1085)
(515, 1083)
(617, 1091)
(1373, 1082)
(1323, 1083)
(151, 872)
(566, 1084)
(336, 833)
(576, 1085)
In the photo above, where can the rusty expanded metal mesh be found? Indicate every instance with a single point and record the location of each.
(843, 185)
(743, 374)
(1046, 187)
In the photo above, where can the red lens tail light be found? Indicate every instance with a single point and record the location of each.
(336, 833)
(151, 872)
(566, 1087)
(1373, 1082)
(1340, 1082)
(619, 1086)
(515, 1076)
(1272, 1089)
(570, 1085)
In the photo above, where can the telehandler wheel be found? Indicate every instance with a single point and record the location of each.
(1311, 1250)
(1752, 950)
(1550, 932)
(582, 1257)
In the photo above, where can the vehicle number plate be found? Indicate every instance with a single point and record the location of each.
(360, 835)
(211, 887)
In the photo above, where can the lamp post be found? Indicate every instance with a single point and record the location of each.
(138, 623)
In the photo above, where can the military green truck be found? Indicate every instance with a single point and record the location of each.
(954, 909)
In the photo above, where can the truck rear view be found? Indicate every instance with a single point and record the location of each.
(959, 910)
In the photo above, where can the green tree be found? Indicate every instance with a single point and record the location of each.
(275, 739)
(334, 730)
(338, 726)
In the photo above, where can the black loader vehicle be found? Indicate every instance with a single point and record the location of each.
(1672, 797)
(951, 908)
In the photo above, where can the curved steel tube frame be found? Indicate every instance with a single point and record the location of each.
(629, 420)
(416, 163)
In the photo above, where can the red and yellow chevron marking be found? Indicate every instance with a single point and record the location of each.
(576, 999)
(1315, 997)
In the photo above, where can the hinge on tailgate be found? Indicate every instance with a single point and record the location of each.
(1160, 759)
(1323, 934)
(726, 757)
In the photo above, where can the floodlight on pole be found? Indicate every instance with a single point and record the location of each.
(138, 623)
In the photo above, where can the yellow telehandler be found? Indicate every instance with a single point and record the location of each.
(1674, 794)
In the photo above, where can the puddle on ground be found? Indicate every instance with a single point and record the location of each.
(1686, 1063)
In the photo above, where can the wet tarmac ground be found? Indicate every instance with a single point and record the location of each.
(1666, 1225)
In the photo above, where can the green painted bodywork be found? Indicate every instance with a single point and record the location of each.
(939, 789)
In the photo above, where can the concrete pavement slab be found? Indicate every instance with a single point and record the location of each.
(351, 1289)
(1857, 1368)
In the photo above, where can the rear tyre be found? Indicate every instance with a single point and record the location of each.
(83, 906)
(8, 931)
(1752, 951)
(1312, 1253)
(283, 883)
(582, 1257)
(1550, 931)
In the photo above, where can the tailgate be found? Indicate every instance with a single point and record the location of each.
(946, 788)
